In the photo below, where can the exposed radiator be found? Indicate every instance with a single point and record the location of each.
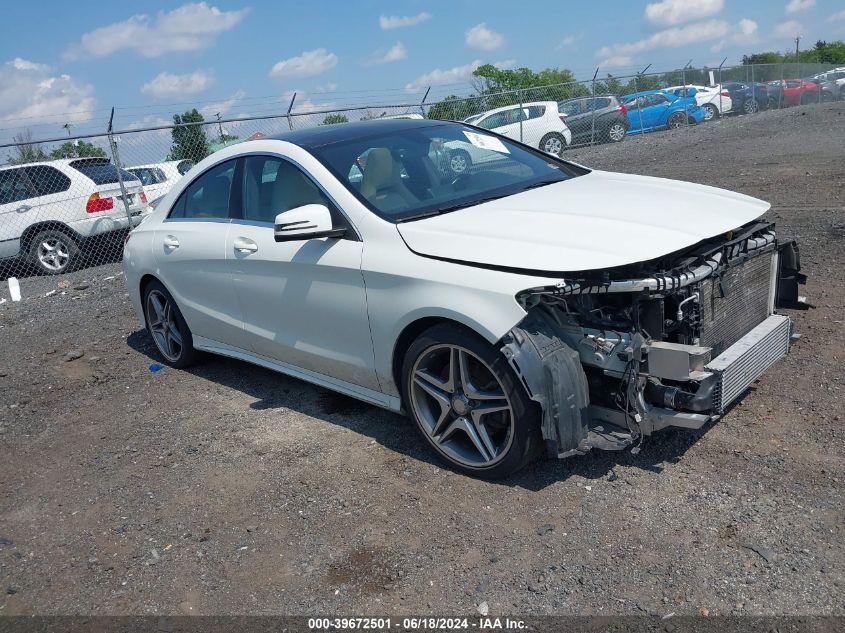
(734, 302)
(747, 360)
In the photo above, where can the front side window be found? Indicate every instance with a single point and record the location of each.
(47, 180)
(272, 186)
(207, 197)
(403, 176)
(13, 186)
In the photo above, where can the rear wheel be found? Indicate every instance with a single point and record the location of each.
(676, 120)
(468, 404)
(167, 326)
(53, 252)
(616, 132)
(459, 161)
(710, 111)
(750, 106)
(553, 143)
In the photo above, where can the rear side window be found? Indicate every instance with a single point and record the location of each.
(101, 172)
(535, 112)
(47, 180)
(13, 186)
(208, 196)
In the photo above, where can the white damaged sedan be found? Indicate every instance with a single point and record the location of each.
(523, 305)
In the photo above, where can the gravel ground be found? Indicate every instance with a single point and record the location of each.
(228, 489)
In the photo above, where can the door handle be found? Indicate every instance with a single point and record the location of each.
(245, 245)
(170, 242)
(23, 208)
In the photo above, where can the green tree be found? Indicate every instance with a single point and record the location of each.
(332, 119)
(26, 150)
(189, 139)
(80, 149)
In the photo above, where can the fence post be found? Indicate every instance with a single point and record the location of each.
(780, 94)
(721, 89)
(593, 109)
(422, 103)
(119, 168)
(685, 93)
(639, 109)
(754, 89)
(519, 99)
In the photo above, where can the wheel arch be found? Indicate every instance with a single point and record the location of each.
(49, 225)
(411, 332)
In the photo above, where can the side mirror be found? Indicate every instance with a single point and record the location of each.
(307, 222)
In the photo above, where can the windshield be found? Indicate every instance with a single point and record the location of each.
(423, 171)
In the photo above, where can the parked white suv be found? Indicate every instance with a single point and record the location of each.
(51, 211)
(158, 178)
(713, 99)
(537, 124)
(835, 77)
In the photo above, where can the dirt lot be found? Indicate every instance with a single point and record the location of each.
(229, 489)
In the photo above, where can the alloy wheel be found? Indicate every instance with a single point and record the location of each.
(709, 112)
(462, 406)
(161, 319)
(616, 132)
(53, 254)
(553, 145)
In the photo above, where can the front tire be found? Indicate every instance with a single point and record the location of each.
(468, 404)
(553, 143)
(616, 133)
(167, 326)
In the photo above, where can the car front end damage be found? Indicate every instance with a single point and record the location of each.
(613, 356)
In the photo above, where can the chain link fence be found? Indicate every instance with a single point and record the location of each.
(67, 203)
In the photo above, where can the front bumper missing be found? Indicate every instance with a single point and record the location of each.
(732, 372)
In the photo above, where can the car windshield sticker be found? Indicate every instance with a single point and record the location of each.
(486, 142)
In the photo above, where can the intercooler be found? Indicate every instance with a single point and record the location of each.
(734, 302)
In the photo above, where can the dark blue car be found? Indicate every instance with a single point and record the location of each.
(747, 97)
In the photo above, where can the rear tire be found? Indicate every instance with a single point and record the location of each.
(468, 404)
(676, 120)
(616, 133)
(710, 112)
(53, 252)
(750, 106)
(167, 326)
(553, 143)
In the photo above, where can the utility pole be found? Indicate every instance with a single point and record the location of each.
(219, 126)
(797, 39)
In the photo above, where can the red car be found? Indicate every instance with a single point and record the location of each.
(791, 92)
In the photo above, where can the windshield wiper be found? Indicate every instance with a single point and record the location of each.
(454, 207)
(542, 183)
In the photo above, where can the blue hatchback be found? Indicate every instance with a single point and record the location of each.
(657, 110)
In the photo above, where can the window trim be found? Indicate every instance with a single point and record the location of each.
(229, 216)
(26, 182)
(240, 220)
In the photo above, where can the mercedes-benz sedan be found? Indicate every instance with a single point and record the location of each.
(521, 306)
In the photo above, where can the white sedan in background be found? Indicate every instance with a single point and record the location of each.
(158, 178)
(514, 310)
(713, 99)
(537, 124)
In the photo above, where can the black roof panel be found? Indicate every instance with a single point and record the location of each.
(328, 134)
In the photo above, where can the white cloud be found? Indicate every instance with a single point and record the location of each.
(190, 27)
(616, 61)
(211, 109)
(505, 64)
(747, 27)
(304, 104)
(796, 6)
(396, 53)
(307, 64)
(166, 84)
(790, 28)
(672, 12)
(396, 22)
(483, 38)
(328, 87)
(569, 40)
(668, 38)
(836, 17)
(29, 91)
(439, 77)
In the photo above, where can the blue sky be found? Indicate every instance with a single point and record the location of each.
(246, 57)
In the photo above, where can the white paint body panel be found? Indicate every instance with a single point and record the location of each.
(331, 311)
(592, 222)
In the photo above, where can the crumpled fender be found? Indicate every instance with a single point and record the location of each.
(552, 374)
